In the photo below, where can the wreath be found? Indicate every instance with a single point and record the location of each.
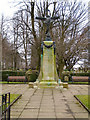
(48, 46)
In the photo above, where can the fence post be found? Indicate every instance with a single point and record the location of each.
(8, 111)
(5, 107)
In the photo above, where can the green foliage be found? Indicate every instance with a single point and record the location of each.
(78, 74)
(85, 100)
(83, 83)
(13, 97)
(5, 82)
(7, 73)
(66, 73)
(70, 74)
(32, 75)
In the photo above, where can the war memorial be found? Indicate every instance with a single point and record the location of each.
(48, 98)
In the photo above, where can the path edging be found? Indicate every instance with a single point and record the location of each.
(82, 104)
(15, 100)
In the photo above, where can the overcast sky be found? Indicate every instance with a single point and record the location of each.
(7, 8)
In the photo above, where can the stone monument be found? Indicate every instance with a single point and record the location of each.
(48, 76)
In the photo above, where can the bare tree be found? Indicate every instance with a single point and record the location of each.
(67, 32)
(8, 53)
(71, 40)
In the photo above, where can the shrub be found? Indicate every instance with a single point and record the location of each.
(32, 75)
(78, 74)
(7, 73)
(70, 74)
(66, 73)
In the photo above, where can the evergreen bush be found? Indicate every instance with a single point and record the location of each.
(70, 74)
(6, 73)
(32, 75)
(78, 74)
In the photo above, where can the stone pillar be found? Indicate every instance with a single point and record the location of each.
(48, 74)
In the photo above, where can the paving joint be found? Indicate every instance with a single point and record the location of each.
(47, 103)
(40, 103)
(27, 103)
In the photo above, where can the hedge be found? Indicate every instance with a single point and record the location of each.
(78, 74)
(5, 74)
(75, 74)
(33, 74)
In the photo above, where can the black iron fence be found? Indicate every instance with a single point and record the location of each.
(5, 106)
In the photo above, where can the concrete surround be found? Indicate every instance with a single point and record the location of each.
(47, 102)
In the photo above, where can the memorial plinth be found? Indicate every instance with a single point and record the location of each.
(48, 74)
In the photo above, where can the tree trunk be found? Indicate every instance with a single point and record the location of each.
(60, 70)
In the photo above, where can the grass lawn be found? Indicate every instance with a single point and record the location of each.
(85, 99)
(79, 83)
(5, 82)
(12, 97)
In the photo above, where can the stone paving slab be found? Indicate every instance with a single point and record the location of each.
(64, 115)
(47, 103)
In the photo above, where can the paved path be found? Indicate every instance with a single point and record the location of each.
(47, 103)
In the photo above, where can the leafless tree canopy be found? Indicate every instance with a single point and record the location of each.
(8, 52)
(68, 32)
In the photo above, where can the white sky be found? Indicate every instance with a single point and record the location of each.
(7, 8)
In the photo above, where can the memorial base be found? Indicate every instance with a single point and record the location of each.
(48, 77)
(48, 84)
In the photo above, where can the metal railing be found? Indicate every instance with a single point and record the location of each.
(5, 106)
